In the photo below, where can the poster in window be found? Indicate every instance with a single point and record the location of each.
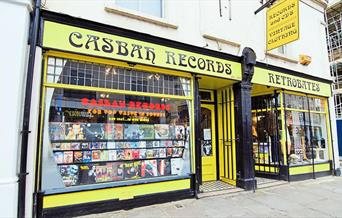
(96, 156)
(207, 134)
(146, 131)
(59, 157)
(78, 157)
(87, 156)
(179, 132)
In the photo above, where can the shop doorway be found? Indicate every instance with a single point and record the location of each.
(218, 167)
(266, 128)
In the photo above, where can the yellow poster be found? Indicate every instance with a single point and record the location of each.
(84, 41)
(282, 23)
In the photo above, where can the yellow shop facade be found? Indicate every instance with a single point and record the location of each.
(128, 119)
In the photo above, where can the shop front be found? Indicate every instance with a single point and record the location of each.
(128, 120)
(118, 121)
(290, 126)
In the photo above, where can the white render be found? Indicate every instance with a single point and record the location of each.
(14, 22)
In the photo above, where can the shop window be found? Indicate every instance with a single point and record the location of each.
(152, 7)
(88, 140)
(103, 139)
(306, 131)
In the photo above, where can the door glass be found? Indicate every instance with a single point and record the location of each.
(206, 143)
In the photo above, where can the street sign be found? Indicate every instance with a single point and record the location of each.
(282, 23)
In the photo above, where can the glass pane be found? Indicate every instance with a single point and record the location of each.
(319, 137)
(153, 7)
(111, 77)
(206, 131)
(130, 4)
(94, 137)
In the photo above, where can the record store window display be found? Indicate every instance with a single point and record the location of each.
(306, 131)
(94, 138)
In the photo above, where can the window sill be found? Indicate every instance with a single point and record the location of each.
(113, 184)
(282, 57)
(139, 16)
(214, 38)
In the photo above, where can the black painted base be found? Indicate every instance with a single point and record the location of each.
(247, 184)
(306, 176)
(112, 205)
(337, 172)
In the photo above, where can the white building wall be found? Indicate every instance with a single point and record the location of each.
(14, 22)
(238, 24)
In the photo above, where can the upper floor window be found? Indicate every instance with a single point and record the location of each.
(152, 7)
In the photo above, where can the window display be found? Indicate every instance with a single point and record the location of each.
(92, 137)
(306, 132)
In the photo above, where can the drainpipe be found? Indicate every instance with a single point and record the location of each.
(27, 109)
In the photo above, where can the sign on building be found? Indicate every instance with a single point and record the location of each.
(282, 23)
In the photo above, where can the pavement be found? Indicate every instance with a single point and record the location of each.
(321, 197)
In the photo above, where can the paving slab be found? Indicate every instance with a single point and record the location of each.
(321, 197)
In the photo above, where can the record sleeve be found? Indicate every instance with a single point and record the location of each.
(119, 131)
(117, 171)
(149, 168)
(178, 143)
(109, 131)
(142, 144)
(177, 152)
(142, 154)
(104, 155)
(56, 146)
(69, 174)
(146, 131)
(75, 146)
(85, 146)
(149, 144)
(132, 170)
(156, 144)
(103, 145)
(78, 156)
(131, 131)
(68, 157)
(135, 154)
(119, 145)
(166, 143)
(169, 152)
(74, 131)
(111, 145)
(56, 131)
(128, 154)
(120, 154)
(155, 153)
(162, 131)
(87, 156)
(94, 145)
(111, 155)
(101, 173)
(164, 167)
(65, 146)
(96, 156)
(87, 174)
(59, 157)
(94, 131)
(149, 153)
(180, 132)
(162, 152)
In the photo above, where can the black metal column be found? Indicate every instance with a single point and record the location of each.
(243, 122)
(197, 129)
